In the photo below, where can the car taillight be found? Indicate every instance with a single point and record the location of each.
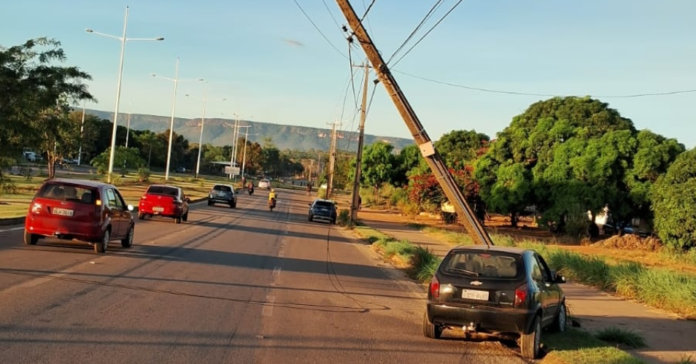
(143, 197)
(36, 208)
(521, 295)
(435, 287)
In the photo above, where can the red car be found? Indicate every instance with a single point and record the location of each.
(166, 201)
(90, 211)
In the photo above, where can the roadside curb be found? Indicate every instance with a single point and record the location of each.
(20, 220)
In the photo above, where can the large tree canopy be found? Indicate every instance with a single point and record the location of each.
(570, 155)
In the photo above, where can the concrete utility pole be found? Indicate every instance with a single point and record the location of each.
(361, 139)
(233, 158)
(425, 144)
(332, 159)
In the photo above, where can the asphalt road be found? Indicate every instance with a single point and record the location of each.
(238, 285)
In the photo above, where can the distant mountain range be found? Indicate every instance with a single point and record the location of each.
(219, 132)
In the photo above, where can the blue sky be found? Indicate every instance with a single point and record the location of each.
(589, 47)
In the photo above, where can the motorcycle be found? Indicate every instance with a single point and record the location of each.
(251, 191)
(271, 204)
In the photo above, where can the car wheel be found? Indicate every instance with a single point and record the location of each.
(529, 343)
(127, 242)
(141, 216)
(30, 239)
(559, 324)
(100, 247)
(310, 218)
(431, 330)
(210, 203)
(185, 217)
(177, 220)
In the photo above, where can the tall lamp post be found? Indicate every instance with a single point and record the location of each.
(171, 122)
(246, 141)
(200, 138)
(123, 39)
(82, 131)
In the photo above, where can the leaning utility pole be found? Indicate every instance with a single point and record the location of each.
(332, 160)
(425, 144)
(361, 138)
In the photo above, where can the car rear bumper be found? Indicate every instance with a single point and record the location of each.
(322, 217)
(166, 211)
(487, 319)
(220, 200)
(84, 231)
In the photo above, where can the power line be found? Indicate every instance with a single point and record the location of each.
(330, 13)
(319, 30)
(367, 10)
(425, 18)
(518, 93)
(428, 32)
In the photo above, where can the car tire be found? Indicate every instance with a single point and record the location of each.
(101, 246)
(141, 216)
(177, 220)
(127, 242)
(185, 217)
(530, 343)
(30, 239)
(431, 330)
(561, 321)
(210, 203)
(233, 205)
(310, 218)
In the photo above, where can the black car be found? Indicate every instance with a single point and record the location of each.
(223, 194)
(322, 210)
(496, 291)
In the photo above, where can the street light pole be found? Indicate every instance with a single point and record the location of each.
(171, 122)
(123, 40)
(130, 106)
(200, 138)
(246, 139)
(82, 130)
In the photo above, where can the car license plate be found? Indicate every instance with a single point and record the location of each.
(63, 212)
(471, 294)
(158, 209)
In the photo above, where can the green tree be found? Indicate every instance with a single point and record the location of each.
(460, 148)
(378, 164)
(35, 93)
(123, 156)
(674, 202)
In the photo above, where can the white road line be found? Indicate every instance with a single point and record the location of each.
(281, 253)
(276, 271)
(267, 310)
(13, 229)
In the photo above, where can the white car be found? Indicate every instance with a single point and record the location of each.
(264, 183)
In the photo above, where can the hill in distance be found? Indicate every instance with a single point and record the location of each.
(219, 132)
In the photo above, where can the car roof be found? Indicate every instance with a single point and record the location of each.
(494, 248)
(170, 186)
(323, 200)
(81, 182)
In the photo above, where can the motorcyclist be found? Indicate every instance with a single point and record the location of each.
(272, 195)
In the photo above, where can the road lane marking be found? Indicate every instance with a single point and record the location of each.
(267, 310)
(281, 253)
(276, 276)
(13, 229)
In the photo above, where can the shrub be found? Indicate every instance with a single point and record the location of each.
(143, 174)
(344, 218)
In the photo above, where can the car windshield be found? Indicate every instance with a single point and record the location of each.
(68, 192)
(484, 264)
(223, 188)
(163, 190)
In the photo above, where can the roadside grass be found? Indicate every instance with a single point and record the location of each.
(418, 262)
(615, 335)
(582, 347)
(658, 287)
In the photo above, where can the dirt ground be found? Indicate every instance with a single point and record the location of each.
(624, 248)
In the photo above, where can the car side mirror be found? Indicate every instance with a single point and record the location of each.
(559, 279)
(187, 199)
(131, 208)
(309, 204)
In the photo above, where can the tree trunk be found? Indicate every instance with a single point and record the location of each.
(51, 166)
(513, 219)
(149, 157)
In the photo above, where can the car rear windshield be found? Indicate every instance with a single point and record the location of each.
(163, 190)
(68, 192)
(323, 204)
(223, 188)
(484, 264)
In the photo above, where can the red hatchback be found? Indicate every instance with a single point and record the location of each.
(166, 201)
(90, 211)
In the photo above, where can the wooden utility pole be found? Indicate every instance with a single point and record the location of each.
(332, 160)
(425, 144)
(361, 139)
